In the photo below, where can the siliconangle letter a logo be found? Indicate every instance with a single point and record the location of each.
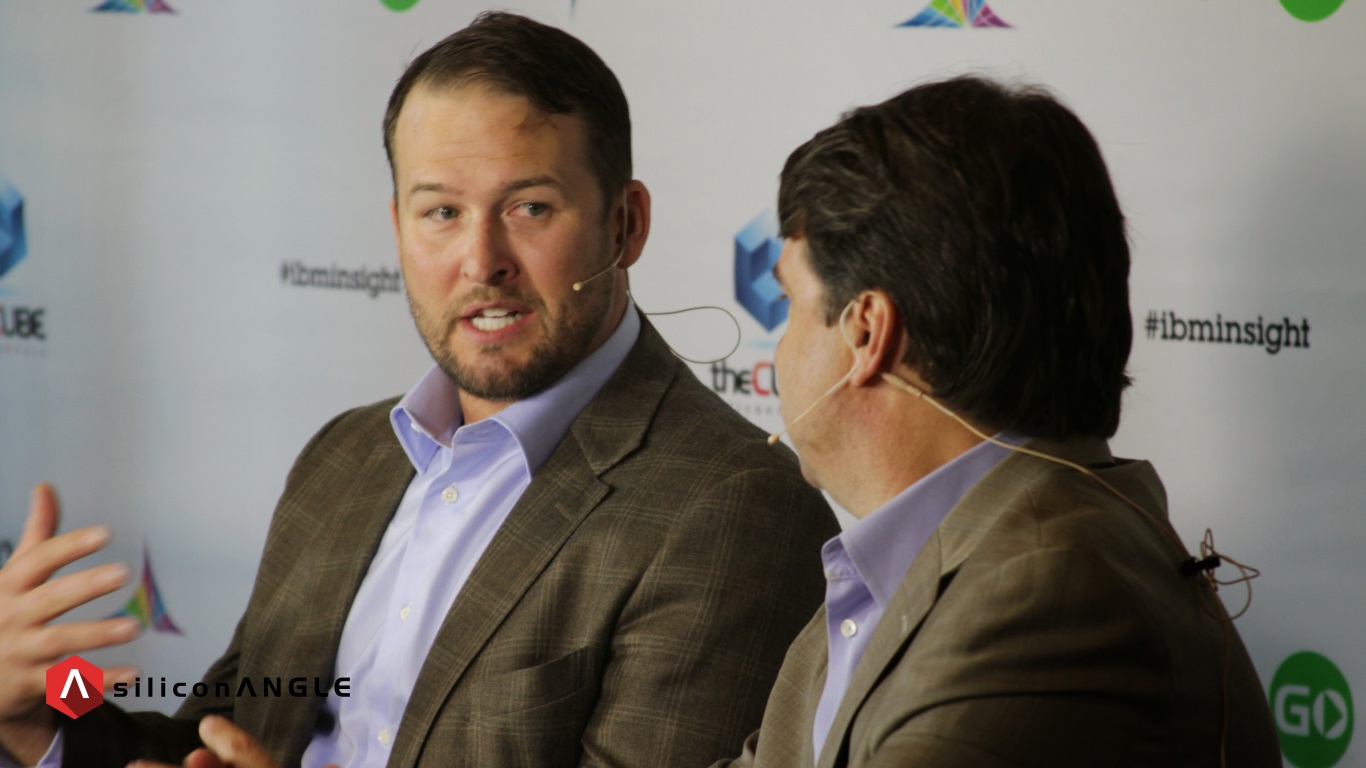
(74, 687)
(1312, 707)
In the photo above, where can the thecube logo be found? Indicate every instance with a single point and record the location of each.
(1312, 706)
(1312, 10)
(398, 5)
(74, 687)
(956, 14)
(756, 251)
(13, 243)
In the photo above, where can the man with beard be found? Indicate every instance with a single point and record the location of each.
(558, 548)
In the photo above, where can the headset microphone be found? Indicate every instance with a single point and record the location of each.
(621, 254)
(579, 285)
(776, 436)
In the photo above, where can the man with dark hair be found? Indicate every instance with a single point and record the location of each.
(557, 549)
(953, 364)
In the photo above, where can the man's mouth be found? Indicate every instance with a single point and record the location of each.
(494, 319)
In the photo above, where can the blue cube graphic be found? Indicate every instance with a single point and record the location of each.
(756, 251)
(13, 244)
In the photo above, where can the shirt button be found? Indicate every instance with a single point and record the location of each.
(403, 613)
(384, 736)
(848, 628)
(450, 495)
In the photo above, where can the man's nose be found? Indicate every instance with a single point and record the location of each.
(487, 257)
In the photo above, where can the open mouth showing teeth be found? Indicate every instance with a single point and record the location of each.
(494, 319)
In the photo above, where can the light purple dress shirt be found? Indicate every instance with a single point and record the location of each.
(865, 564)
(469, 477)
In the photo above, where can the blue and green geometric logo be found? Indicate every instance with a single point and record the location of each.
(956, 14)
(133, 6)
(13, 242)
(757, 248)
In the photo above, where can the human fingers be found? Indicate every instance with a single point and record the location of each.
(203, 758)
(43, 557)
(42, 645)
(42, 518)
(232, 745)
(186, 764)
(55, 598)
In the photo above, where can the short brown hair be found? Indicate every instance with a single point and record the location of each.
(552, 69)
(986, 213)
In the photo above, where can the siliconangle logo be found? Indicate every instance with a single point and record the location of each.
(75, 687)
(22, 328)
(956, 14)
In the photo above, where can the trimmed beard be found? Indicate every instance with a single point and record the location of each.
(564, 342)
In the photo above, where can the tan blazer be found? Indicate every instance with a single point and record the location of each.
(1045, 623)
(633, 610)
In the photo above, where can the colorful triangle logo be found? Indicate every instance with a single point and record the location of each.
(956, 14)
(133, 6)
(145, 604)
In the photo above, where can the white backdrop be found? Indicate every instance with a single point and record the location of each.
(175, 167)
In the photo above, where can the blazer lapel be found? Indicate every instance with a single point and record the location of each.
(363, 515)
(562, 493)
(952, 542)
(905, 612)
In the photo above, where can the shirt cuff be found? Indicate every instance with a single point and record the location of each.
(51, 759)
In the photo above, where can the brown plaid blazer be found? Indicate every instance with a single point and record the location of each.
(1045, 623)
(632, 611)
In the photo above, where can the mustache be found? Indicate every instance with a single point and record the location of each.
(489, 295)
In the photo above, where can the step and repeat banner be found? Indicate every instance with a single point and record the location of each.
(197, 267)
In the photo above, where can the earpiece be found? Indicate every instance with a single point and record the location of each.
(775, 437)
(621, 254)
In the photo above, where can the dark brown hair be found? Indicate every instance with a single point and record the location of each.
(986, 213)
(552, 69)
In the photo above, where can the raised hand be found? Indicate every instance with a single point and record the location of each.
(30, 599)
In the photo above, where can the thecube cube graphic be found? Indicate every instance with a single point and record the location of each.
(74, 687)
(756, 251)
(13, 243)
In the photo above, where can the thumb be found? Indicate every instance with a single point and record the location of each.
(42, 519)
(233, 745)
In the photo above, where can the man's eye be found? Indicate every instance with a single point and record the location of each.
(535, 209)
(441, 213)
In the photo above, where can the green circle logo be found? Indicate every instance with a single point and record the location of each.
(403, 5)
(1312, 706)
(1312, 10)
